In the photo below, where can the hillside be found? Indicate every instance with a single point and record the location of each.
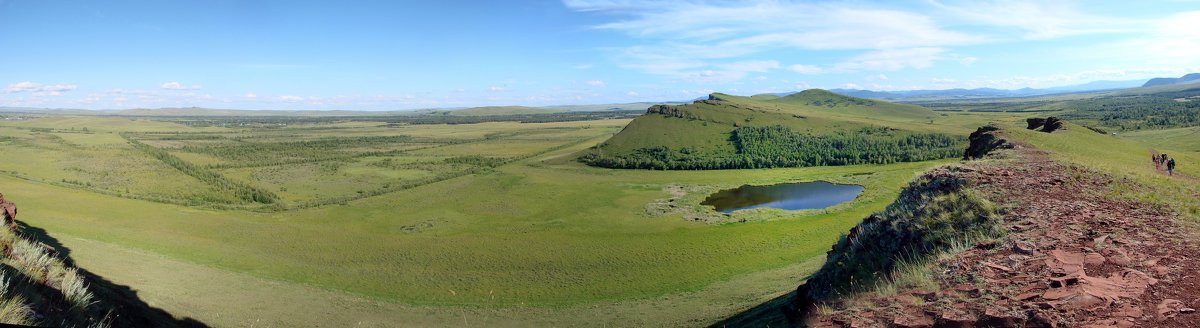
(1069, 228)
(1158, 81)
(40, 286)
(810, 128)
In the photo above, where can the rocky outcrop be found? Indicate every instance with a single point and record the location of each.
(930, 214)
(1072, 257)
(1049, 124)
(983, 141)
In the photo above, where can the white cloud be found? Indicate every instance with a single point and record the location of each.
(250, 95)
(805, 69)
(877, 77)
(632, 94)
(967, 61)
(1037, 20)
(756, 66)
(38, 89)
(291, 98)
(893, 59)
(851, 86)
(690, 38)
(22, 87)
(596, 83)
(1172, 39)
(495, 88)
(178, 86)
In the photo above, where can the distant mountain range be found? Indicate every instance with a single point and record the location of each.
(911, 95)
(1190, 78)
(987, 92)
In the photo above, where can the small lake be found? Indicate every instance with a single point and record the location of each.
(787, 196)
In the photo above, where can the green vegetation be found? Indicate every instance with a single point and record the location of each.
(810, 128)
(1138, 112)
(240, 190)
(778, 146)
(931, 215)
(39, 288)
(492, 215)
(497, 222)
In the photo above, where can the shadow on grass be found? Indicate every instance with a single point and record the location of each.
(128, 310)
(767, 314)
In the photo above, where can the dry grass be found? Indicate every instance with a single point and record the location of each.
(38, 271)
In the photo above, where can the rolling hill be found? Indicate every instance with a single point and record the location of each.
(1189, 78)
(809, 128)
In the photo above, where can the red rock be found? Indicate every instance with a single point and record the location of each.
(986, 244)
(1128, 310)
(997, 266)
(1093, 259)
(1028, 296)
(1169, 308)
(1041, 320)
(1187, 310)
(912, 321)
(928, 296)
(955, 319)
(1001, 318)
(1024, 247)
(1064, 262)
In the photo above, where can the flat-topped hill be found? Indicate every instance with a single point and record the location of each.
(810, 128)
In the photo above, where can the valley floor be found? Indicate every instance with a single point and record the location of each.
(227, 299)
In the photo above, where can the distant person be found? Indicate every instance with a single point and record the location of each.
(1163, 160)
(1171, 166)
(1154, 158)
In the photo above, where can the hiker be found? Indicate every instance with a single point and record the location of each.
(1163, 160)
(1171, 167)
(1154, 158)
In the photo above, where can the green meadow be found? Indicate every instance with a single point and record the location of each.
(497, 220)
(488, 216)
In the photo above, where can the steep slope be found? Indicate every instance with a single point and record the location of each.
(1077, 245)
(810, 128)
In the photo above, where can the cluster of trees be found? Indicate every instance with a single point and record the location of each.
(1138, 112)
(476, 160)
(319, 148)
(240, 190)
(778, 146)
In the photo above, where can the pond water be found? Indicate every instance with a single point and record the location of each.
(787, 196)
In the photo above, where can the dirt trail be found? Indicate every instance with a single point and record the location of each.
(1072, 258)
(1161, 167)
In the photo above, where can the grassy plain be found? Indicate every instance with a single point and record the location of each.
(535, 233)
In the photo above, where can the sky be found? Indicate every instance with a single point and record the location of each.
(396, 55)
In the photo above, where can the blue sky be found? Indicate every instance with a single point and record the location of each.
(389, 55)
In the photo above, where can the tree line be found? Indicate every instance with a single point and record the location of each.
(1139, 112)
(778, 146)
(240, 190)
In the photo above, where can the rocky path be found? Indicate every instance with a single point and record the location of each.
(1072, 258)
